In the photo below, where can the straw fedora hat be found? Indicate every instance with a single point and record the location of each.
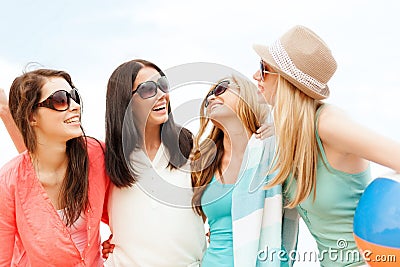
(303, 59)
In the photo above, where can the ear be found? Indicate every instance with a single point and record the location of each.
(32, 120)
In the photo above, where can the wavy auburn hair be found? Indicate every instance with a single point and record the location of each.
(25, 93)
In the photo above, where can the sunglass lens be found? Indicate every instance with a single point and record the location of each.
(262, 70)
(75, 96)
(221, 88)
(163, 84)
(60, 100)
(147, 89)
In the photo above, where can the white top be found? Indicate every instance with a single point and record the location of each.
(152, 222)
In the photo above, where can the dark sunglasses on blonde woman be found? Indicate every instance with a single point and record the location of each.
(148, 89)
(263, 70)
(60, 100)
(219, 89)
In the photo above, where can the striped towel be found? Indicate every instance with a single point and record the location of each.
(263, 231)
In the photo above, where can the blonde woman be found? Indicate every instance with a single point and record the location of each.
(322, 156)
(223, 171)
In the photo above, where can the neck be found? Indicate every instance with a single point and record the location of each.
(152, 137)
(50, 164)
(50, 158)
(236, 137)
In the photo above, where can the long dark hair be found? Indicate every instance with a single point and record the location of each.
(177, 140)
(25, 92)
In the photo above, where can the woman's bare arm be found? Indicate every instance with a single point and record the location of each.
(10, 124)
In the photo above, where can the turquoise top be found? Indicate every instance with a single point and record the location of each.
(217, 203)
(330, 217)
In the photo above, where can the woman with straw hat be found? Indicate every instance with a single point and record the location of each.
(322, 156)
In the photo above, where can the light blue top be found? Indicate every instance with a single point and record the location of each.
(330, 216)
(262, 229)
(217, 203)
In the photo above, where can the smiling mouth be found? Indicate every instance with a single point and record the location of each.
(72, 120)
(159, 108)
(212, 106)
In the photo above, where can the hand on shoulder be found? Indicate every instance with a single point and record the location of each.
(266, 130)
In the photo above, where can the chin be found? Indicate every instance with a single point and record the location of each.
(222, 112)
(76, 134)
(261, 98)
(165, 120)
(159, 121)
(221, 118)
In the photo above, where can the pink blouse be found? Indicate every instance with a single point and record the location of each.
(29, 220)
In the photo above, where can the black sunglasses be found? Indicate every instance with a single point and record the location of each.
(149, 88)
(60, 100)
(264, 70)
(219, 89)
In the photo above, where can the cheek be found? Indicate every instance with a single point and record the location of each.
(230, 107)
(271, 97)
(267, 93)
(270, 87)
(231, 100)
(236, 106)
(140, 112)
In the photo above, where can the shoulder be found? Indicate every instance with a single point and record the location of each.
(95, 147)
(266, 144)
(14, 169)
(93, 143)
(330, 113)
(186, 131)
(338, 131)
(96, 153)
(97, 160)
(332, 119)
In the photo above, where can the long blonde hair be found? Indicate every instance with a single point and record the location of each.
(207, 155)
(297, 148)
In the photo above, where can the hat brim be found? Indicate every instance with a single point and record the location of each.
(263, 52)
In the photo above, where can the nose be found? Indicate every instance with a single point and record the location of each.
(209, 99)
(73, 105)
(257, 75)
(160, 93)
(211, 96)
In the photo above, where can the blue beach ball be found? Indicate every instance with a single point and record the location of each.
(377, 222)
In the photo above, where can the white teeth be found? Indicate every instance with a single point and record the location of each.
(159, 108)
(72, 120)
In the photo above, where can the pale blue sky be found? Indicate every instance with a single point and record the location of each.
(89, 39)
